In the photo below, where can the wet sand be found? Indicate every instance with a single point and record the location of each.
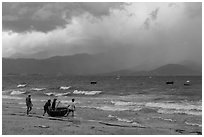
(16, 122)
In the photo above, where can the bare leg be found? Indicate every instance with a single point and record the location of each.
(44, 112)
(72, 113)
(67, 113)
(28, 110)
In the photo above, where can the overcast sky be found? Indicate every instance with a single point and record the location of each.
(142, 32)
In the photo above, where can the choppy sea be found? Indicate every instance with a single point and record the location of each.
(118, 98)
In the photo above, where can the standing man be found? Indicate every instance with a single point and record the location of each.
(54, 104)
(71, 108)
(29, 104)
(47, 106)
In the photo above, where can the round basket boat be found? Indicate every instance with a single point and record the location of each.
(58, 112)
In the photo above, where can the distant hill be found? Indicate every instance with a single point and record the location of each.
(80, 64)
(174, 69)
(166, 70)
(85, 64)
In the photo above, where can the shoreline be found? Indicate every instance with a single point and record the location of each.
(15, 121)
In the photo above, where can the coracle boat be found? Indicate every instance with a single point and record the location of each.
(58, 112)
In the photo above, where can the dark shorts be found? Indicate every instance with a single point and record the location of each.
(29, 105)
(70, 110)
(45, 109)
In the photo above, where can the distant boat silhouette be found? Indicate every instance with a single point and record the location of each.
(118, 77)
(187, 83)
(169, 82)
(93, 82)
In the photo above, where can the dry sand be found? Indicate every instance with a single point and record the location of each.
(16, 122)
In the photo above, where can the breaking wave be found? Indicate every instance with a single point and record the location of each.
(64, 87)
(21, 85)
(165, 119)
(125, 120)
(38, 89)
(188, 112)
(16, 92)
(177, 106)
(193, 108)
(57, 94)
(11, 97)
(126, 103)
(193, 124)
(86, 92)
(114, 108)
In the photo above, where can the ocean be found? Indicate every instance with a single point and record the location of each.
(118, 99)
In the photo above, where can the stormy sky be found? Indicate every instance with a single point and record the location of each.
(137, 32)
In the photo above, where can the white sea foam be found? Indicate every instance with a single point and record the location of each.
(193, 124)
(189, 112)
(43, 100)
(50, 94)
(65, 87)
(11, 97)
(189, 108)
(21, 103)
(165, 119)
(111, 116)
(133, 106)
(136, 108)
(122, 119)
(62, 94)
(86, 92)
(121, 103)
(16, 92)
(21, 85)
(6, 91)
(105, 108)
(125, 103)
(177, 106)
(57, 94)
(117, 108)
(38, 89)
(112, 108)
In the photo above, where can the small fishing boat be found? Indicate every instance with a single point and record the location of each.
(118, 77)
(58, 112)
(169, 82)
(187, 83)
(93, 82)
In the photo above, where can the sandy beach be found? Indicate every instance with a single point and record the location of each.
(15, 121)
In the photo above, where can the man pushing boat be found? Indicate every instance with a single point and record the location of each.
(71, 108)
(47, 106)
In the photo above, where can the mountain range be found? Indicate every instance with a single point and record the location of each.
(85, 64)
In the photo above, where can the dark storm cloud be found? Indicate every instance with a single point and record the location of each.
(147, 23)
(44, 17)
(154, 13)
(152, 17)
(140, 33)
(171, 4)
(193, 9)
